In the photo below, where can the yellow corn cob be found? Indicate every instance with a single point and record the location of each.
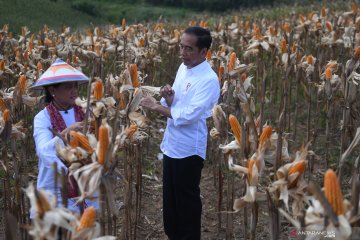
(131, 130)
(297, 167)
(328, 74)
(87, 219)
(243, 77)
(134, 75)
(2, 104)
(286, 27)
(235, 127)
(98, 90)
(22, 85)
(250, 167)
(123, 22)
(103, 143)
(310, 59)
(2, 65)
(311, 15)
(283, 46)
(333, 192)
(272, 31)
(208, 55)
(265, 135)
(232, 61)
(141, 42)
(357, 53)
(302, 18)
(353, 7)
(80, 140)
(328, 26)
(221, 72)
(6, 115)
(323, 11)
(39, 66)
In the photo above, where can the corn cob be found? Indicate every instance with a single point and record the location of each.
(87, 219)
(2, 65)
(103, 143)
(2, 104)
(79, 140)
(333, 192)
(283, 46)
(39, 66)
(232, 61)
(323, 11)
(208, 55)
(297, 167)
(357, 53)
(328, 74)
(22, 85)
(6, 115)
(134, 75)
(272, 31)
(131, 130)
(235, 127)
(310, 59)
(98, 90)
(221, 72)
(328, 26)
(265, 135)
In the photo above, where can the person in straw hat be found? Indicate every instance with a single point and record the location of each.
(60, 82)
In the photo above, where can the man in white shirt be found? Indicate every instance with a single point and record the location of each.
(187, 105)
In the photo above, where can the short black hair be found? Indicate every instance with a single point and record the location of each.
(203, 36)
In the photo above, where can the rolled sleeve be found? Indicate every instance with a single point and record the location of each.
(203, 100)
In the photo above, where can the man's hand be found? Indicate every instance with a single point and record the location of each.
(168, 94)
(148, 103)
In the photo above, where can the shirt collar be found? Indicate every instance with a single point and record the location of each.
(197, 68)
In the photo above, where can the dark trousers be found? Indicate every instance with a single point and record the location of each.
(181, 197)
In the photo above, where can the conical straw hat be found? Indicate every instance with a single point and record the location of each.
(59, 72)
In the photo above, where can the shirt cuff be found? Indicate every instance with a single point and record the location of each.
(176, 115)
(163, 102)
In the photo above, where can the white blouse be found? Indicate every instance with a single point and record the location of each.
(45, 143)
(197, 90)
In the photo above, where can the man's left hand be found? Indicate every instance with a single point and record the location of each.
(148, 103)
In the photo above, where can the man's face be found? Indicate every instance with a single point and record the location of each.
(190, 54)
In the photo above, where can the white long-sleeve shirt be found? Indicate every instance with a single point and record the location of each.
(45, 143)
(197, 90)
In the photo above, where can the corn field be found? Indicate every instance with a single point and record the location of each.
(283, 154)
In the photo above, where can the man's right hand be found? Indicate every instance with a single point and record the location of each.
(168, 94)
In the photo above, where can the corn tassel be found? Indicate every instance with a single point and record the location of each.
(333, 192)
(235, 127)
(87, 219)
